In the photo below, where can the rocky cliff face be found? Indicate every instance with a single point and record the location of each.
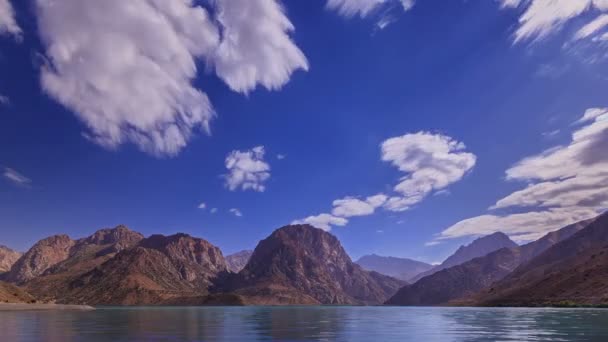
(8, 257)
(237, 261)
(571, 272)
(157, 270)
(457, 283)
(478, 248)
(400, 268)
(42, 256)
(84, 255)
(300, 264)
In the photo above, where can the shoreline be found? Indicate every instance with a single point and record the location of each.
(43, 307)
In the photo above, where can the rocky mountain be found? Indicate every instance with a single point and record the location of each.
(237, 261)
(571, 272)
(43, 255)
(300, 264)
(7, 258)
(400, 268)
(158, 270)
(460, 281)
(83, 256)
(480, 247)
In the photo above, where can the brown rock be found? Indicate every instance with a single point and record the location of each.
(8, 257)
(237, 261)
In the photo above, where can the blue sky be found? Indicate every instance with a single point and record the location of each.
(472, 91)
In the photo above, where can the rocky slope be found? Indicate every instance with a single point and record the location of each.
(43, 255)
(157, 270)
(400, 268)
(571, 272)
(237, 261)
(300, 264)
(456, 283)
(480, 247)
(10, 293)
(8, 257)
(84, 255)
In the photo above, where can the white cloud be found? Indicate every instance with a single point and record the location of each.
(15, 177)
(432, 243)
(4, 100)
(281, 156)
(203, 205)
(431, 161)
(350, 8)
(213, 210)
(543, 17)
(593, 27)
(247, 170)
(323, 221)
(255, 47)
(236, 212)
(566, 184)
(350, 206)
(8, 24)
(126, 67)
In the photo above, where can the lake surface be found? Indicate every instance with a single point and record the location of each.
(307, 324)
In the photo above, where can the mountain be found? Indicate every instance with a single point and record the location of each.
(43, 255)
(457, 282)
(480, 247)
(83, 256)
(237, 261)
(10, 293)
(400, 268)
(571, 272)
(158, 270)
(300, 264)
(7, 258)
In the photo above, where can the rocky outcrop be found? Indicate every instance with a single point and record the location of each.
(156, 270)
(10, 293)
(300, 264)
(8, 257)
(455, 284)
(237, 261)
(478, 248)
(42, 256)
(400, 268)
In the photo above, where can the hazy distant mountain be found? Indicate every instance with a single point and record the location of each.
(235, 262)
(300, 264)
(480, 247)
(400, 268)
(571, 272)
(7, 258)
(472, 276)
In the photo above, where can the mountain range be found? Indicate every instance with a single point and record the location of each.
(300, 264)
(400, 268)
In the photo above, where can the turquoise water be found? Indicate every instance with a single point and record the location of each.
(307, 324)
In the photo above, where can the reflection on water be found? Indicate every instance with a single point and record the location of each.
(307, 324)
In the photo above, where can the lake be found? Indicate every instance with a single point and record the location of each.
(325, 323)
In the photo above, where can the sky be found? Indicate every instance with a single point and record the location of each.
(405, 128)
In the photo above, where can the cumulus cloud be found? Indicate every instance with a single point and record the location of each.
(16, 178)
(256, 47)
(236, 212)
(203, 205)
(126, 67)
(247, 170)
(351, 206)
(566, 184)
(8, 24)
(323, 221)
(431, 163)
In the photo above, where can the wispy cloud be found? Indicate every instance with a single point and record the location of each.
(236, 212)
(203, 205)
(16, 178)
(8, 24)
